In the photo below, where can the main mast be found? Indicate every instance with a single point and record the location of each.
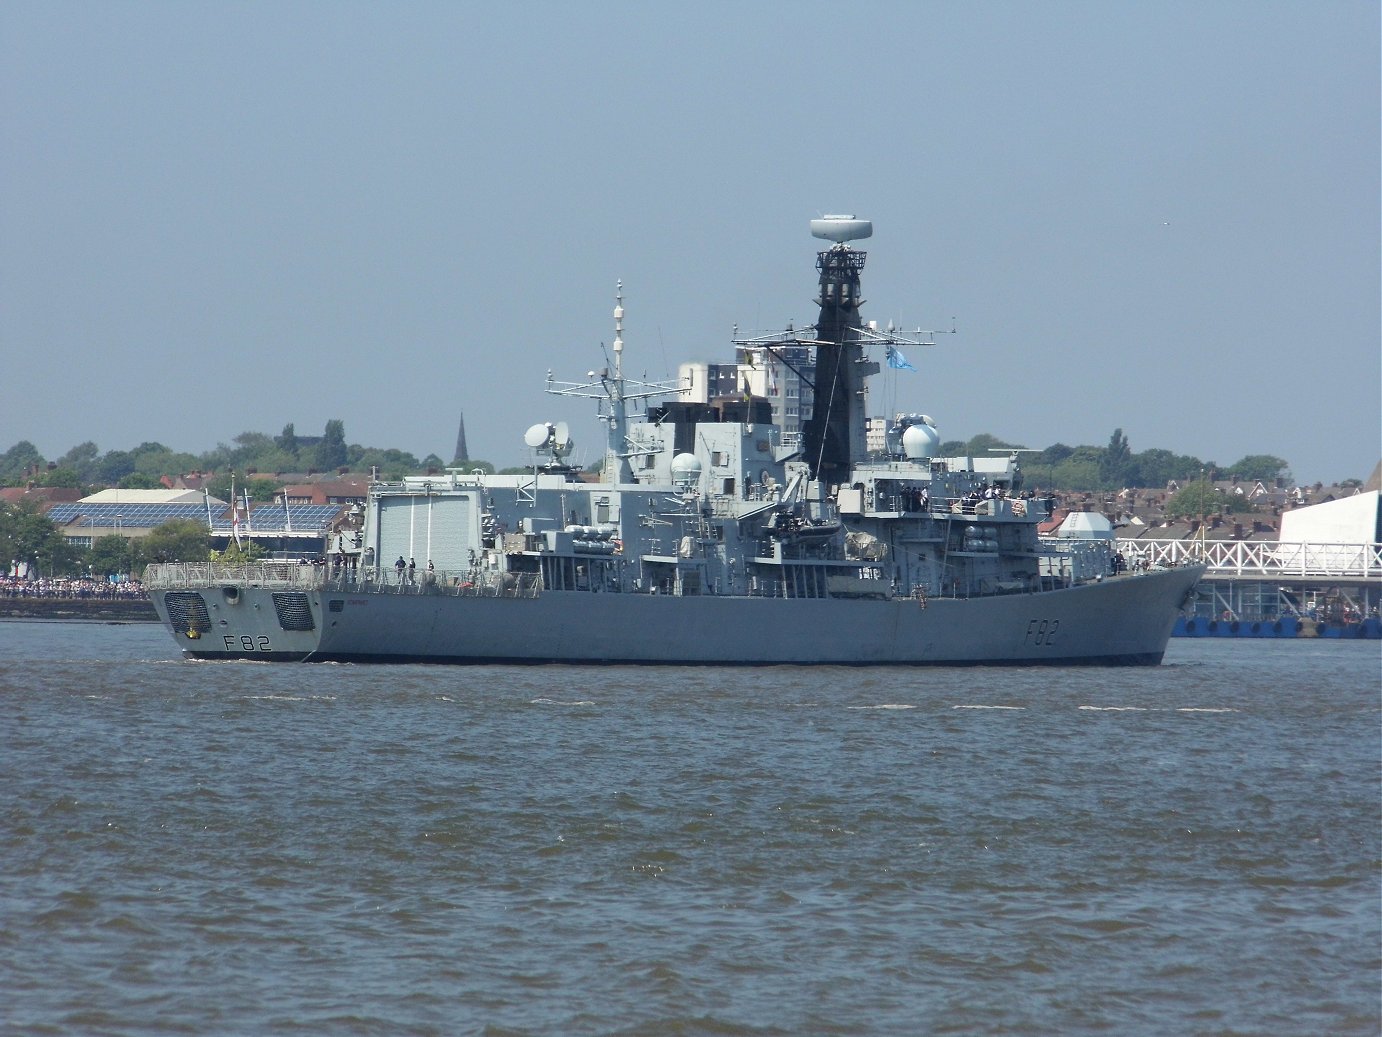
(616, 466)
(833, 439)
(614, 393)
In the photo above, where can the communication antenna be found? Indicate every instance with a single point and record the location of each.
(561, 442)
(553, 439)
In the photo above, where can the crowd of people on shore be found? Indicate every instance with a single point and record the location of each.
(70, 588)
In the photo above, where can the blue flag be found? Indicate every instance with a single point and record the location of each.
(897, 361)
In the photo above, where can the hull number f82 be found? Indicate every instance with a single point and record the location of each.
(1042, 631)
(245, 643)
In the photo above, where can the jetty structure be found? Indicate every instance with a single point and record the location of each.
(1319, 576)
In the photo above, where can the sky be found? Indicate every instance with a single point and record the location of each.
(1161, 217)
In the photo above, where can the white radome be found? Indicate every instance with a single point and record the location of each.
(840, 229)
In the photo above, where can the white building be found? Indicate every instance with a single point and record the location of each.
(1339, 532)
(1348, 520)
(875, 435)
(782, 376)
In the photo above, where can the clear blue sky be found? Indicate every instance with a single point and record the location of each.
(216, 218)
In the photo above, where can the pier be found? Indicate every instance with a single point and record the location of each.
(1252, 587)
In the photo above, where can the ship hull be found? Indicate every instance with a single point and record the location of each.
(1116, 622)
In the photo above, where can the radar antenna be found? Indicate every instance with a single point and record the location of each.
(551, 439)
(614, 393)
(833, 439)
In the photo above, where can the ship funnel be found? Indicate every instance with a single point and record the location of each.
(840, 229)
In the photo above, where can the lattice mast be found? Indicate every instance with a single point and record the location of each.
(834, 437)
(614, 393)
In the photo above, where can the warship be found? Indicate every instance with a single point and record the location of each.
(712, 536)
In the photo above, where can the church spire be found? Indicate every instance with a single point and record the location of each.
(461, 453)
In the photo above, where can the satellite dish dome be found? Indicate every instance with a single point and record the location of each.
(562, 443)
(536, 436)
(686, 471)
(919, 442)
(840, 229)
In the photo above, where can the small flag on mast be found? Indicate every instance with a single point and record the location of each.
(897, 361)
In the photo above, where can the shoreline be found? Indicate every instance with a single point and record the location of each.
(137, 610)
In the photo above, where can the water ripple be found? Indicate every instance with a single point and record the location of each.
(188, 848)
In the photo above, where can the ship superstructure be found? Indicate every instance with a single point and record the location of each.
(709, 538)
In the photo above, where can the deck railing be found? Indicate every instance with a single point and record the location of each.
(295, 576)
(278, 575)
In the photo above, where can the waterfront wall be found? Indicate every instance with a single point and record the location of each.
(110, 610)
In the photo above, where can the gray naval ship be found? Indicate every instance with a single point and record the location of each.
(711, 538)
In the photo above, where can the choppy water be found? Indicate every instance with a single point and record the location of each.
(246, 848)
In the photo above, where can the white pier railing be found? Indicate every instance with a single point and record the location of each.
(1271, 560)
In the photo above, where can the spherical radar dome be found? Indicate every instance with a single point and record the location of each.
(686, 470)
(920, 442)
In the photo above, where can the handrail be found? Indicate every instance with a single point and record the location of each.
(1261, 558)
(161, 575)
(295, 576)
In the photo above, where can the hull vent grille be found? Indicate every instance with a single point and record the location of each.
(187, 611)
(294, 613)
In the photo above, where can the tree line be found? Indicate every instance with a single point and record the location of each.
(254, 457)
(247, 455)
(1116, 466)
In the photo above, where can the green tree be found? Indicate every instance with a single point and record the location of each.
(287, 441)
(331, 451)
(239, 554)
(1077, 473)
(1259, 466)
(110, 556)
(178, 540)
(1054, 454)
(139, 481)
(1201, 499)
(17, 460)
(82, 459)
(986, 445)
(112, 467)
(259, 488)
(29, 536)
(250, 450)
(250, 445)
(1157, 467)
(64, 477)
(156, 460)
(1115, 465)
(392, 464)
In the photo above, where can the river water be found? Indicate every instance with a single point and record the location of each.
(251, 848)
